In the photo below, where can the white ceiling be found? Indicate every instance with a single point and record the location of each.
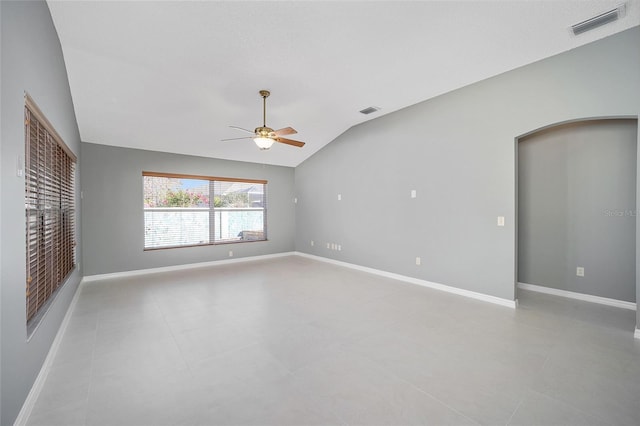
(172, 76)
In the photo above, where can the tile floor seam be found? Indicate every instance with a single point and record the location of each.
(515, 410)
(443, 403)
(417, 388)
(573, 407)
(173, 337)
(91, 366)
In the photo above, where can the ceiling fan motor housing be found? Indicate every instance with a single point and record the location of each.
(265, 132)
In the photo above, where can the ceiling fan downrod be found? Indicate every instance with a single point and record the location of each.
(265, 94)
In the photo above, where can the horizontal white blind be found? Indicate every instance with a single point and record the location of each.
(181, 210)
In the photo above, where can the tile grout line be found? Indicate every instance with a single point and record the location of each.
(508, 422)
(381, 369)
(91, 370)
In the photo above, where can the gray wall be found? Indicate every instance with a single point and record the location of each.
(31, 61)
(577, 204)
(113, 222)
(458, 152)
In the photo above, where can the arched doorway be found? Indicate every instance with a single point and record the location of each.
(576, 209)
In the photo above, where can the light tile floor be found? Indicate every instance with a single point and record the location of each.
(293, 341)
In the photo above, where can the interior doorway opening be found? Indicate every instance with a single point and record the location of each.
(576, 211)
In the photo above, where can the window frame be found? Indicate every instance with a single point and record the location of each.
(211, 209)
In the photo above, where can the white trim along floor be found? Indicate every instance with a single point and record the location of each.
(579, 296)
(291, 340)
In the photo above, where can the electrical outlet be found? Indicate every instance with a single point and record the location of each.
(580, 271)
(418, 261)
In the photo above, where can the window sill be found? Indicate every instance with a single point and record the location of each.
(220, 243)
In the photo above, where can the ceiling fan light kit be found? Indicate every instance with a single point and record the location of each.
(264, 136)
(263, 143)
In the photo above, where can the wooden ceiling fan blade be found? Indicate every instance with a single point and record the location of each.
(290, 142)
(235, 139)
(244, 130)
(285, 131)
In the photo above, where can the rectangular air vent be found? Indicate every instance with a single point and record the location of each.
(369, 110)
(597, 21)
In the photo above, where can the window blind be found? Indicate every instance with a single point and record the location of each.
(49, 210)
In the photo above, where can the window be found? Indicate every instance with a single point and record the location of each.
(49, 209)
(184, 210)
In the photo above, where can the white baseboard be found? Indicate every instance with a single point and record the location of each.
(99, 277)
(34, 393)
(579, 296)
(637, 333)
(424, 283)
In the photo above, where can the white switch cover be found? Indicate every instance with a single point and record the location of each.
(418, 261)
(500, 220)
(339, 197)
(580, 271)
(339, 247)
(20, 168)
(312, 242)
(328, 245)
(414, 193)
(230, 253)
(295, 200)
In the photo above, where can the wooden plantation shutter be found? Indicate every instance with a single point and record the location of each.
(49, 209)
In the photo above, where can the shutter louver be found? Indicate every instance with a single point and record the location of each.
(49, 210)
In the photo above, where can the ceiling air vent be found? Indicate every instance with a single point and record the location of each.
(597, 21)
(369, 110)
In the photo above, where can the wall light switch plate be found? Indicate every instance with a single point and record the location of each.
(230, 253)
(418, 261)
(312, 243)
(500, 220)
(339, 197)
(580, 271)
(20, 166)
(414, 193)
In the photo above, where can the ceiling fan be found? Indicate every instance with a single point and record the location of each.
(265, 136)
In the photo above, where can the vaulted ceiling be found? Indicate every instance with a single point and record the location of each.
(173, 76)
